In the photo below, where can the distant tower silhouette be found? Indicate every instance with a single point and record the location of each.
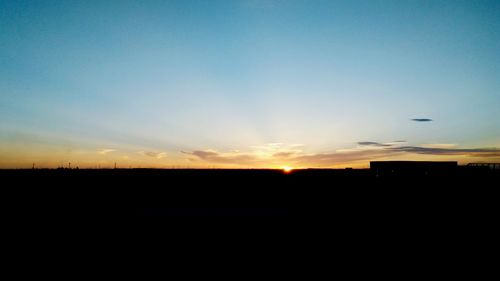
(115, 165)
(69, 165)
(33, 166)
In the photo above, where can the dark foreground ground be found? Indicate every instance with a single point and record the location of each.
(341, 195)
(352, 213)
(402, 221)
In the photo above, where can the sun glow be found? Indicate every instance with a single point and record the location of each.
(287, 169)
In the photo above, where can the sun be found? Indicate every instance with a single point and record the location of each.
(287, 169)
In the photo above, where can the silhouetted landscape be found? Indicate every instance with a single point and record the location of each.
(399, 190)
(369, 122)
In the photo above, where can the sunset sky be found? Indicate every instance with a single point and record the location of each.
(248, 83)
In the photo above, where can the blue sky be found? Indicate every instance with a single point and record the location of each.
(245, 83)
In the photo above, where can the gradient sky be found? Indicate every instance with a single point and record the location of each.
(250, 83)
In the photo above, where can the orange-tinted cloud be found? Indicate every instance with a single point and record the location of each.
(475, 152)
(157, 155)
(367, 152)
(226, 158)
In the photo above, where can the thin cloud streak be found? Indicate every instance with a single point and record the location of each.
(215, 157)
(157, 155)
(105, 151)
(439, 145)
(336, 158)
(284, 154)
(374, 151)
(372, 143)
(476, 152)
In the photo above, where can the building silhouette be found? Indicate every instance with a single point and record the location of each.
(413, 168)
(488, 166)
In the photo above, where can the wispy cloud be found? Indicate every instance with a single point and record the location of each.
(439, 145)
(372, 143)
(421, 120)
(336, 158)
(225, 158)
(105, 151)
(365, 152)
(295, 156)
(341, 157)
(157, 155)
(259, 155)
(475, 152)
(278, 147)
(287, 154)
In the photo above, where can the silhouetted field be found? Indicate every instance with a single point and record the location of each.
(339, 195)
(353, 211)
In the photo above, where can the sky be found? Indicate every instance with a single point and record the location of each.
(248, 83)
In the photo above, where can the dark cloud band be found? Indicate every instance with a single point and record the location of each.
(372, 143)
(485, 152)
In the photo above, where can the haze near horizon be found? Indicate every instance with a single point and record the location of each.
(248, 83)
